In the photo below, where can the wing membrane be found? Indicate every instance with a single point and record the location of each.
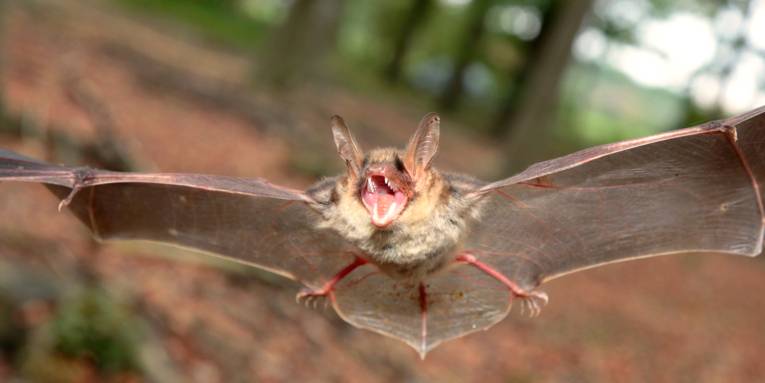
(694, 190)
(247, 220)
(458, 301)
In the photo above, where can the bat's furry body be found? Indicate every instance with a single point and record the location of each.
(405, 250)
(423, 239)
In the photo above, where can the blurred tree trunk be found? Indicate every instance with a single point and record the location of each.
(525, 118)
(298, 48)
(479, 10)
(416, 16)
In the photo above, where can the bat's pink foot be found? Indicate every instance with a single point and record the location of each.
(311, 296)
(531, 301)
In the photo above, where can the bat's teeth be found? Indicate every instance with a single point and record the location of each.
(387, 182)
(370, 185)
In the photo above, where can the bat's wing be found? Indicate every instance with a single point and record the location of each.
(246, 220)
(693, 190)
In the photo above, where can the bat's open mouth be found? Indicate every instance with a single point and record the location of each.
(383, 198)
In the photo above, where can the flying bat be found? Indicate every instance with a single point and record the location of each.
(406, 250)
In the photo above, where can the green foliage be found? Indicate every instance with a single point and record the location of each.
(602, 105)
(368, 29)
(217, 20)
(91, 325)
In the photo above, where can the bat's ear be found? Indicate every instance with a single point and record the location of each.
(423, 145)
(346, 146)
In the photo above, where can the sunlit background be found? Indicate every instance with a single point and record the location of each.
(520, 71)
(246, 88)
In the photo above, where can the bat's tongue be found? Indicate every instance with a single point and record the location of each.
(383, 209)
(383, 202)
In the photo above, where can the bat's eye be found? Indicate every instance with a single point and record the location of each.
(399, 164)
(383, 199)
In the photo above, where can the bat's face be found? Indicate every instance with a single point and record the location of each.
(385, 186)
(386, 179)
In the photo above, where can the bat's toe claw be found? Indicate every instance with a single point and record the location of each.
(540, 296)
(311, 298)
(532, 302)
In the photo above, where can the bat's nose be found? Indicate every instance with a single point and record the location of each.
(376, 169)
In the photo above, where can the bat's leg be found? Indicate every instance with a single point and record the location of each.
(531, 300)
(310, 295)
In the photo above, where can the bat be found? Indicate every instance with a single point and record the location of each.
(401, 248)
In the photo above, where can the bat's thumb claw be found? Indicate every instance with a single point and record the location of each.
(65, 202)
(62, 204)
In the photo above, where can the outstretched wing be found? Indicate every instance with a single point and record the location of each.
(246, 220)
(692, 190)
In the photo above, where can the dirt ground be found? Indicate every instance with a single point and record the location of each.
(693, 318)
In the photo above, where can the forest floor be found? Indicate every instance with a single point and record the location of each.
(178, 104)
